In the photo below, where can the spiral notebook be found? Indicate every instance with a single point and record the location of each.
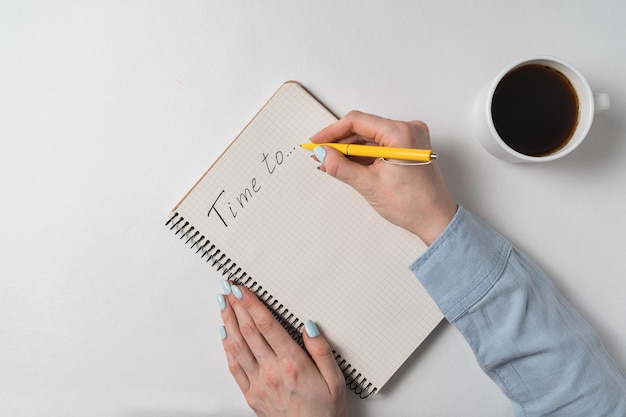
(307, 244)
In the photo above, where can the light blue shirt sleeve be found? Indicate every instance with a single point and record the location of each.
(543, 355)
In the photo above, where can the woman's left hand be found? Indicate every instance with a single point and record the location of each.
(276, 376)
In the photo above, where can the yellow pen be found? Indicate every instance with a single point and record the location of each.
(405, 154)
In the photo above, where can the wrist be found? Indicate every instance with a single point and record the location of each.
(428, 231)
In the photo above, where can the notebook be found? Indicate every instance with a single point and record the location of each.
(307, 244)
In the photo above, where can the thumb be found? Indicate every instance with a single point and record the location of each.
(323, 356)
(337, 165)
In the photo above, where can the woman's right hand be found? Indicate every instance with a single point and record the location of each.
(412, 197)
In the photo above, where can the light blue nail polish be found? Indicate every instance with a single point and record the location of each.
(237, 292)
(226, 287)
(223, 332)
(311, 328)
(320, 153)
(221, 301)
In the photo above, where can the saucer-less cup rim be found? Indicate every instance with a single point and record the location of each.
(583, 124)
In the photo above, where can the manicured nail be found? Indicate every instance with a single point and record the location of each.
(311, 328)
(223, 332)
(226, 287)
(320, 153)
(221, 301)
(237, 292)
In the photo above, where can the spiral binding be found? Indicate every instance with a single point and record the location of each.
(293, 325)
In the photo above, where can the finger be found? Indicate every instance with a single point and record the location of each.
(238, 353)
(323, 356)
(353, 123)
(236, 370)
(269, 337)
(358, 176)
(248, 329)
(368, 126)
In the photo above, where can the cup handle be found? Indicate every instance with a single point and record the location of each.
(601, 102)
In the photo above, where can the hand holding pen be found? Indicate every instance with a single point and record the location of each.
(414, 198)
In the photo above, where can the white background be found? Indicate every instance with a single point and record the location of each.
(110, 111)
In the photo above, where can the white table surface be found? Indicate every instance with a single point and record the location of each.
(110, 110)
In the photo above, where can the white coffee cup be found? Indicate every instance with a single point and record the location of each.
(588, 104)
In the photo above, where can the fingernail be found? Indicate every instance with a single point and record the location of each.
(311, 328)
(237, 292)
(320, 153)
(223, 332)
(226, 287)
(221, 301)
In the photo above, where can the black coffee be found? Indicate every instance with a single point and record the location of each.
(535, 110)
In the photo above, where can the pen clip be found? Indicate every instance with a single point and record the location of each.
(409, 163)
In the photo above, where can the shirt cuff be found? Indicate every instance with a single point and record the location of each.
(463, 264)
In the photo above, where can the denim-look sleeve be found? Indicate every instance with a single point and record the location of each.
(525, 335)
